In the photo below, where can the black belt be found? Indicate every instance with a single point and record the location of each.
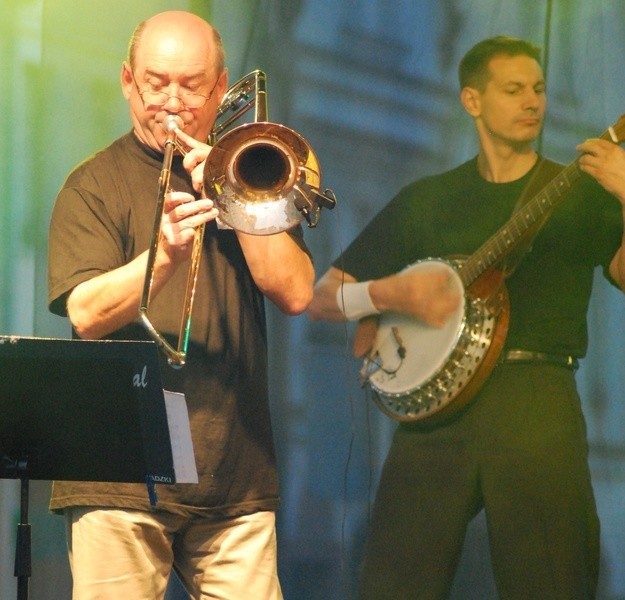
(527, 356)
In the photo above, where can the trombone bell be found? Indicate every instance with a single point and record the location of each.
(261, 177)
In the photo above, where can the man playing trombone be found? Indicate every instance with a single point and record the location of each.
(218, 535)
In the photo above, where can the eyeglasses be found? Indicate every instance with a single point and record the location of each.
(155, 97)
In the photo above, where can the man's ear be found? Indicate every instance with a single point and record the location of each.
(126, 80)
(470, 99)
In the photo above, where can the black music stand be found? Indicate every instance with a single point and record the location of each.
(80, 410)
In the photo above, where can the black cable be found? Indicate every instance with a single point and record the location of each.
(352, 434)
(245, 57)
(546, 50)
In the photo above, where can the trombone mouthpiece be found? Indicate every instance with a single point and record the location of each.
(172, 122)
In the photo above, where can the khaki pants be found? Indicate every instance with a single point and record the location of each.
(128, 554)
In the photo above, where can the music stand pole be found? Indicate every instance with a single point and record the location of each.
(23, 544)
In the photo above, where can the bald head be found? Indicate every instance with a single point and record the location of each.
(175, 67)
(177, 26)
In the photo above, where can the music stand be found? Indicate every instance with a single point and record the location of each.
(80, 410)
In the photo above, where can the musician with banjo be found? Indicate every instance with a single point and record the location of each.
(472, 288)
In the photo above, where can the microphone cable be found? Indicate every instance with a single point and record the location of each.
(347, 358)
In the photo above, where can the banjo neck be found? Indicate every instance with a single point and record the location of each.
(531, 216)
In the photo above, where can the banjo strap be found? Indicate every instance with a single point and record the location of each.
(545, 171)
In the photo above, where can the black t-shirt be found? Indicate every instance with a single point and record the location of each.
(102, 219)
(456, 212)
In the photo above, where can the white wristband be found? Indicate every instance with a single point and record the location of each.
(354, 300)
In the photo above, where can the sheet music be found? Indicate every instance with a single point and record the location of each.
(180, 434)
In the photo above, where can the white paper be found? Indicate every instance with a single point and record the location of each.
(180, 435)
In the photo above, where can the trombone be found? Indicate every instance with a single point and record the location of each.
(263, 177)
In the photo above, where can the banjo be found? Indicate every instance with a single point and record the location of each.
(419, 373)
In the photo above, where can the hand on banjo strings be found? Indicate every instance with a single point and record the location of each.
(430, 295)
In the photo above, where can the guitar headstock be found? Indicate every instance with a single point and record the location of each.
(616, 133)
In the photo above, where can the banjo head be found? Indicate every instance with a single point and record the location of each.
(423, 373)
(406, 352)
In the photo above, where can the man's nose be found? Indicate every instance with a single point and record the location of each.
(173, 104)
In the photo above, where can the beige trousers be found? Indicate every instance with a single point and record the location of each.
(126, 554)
